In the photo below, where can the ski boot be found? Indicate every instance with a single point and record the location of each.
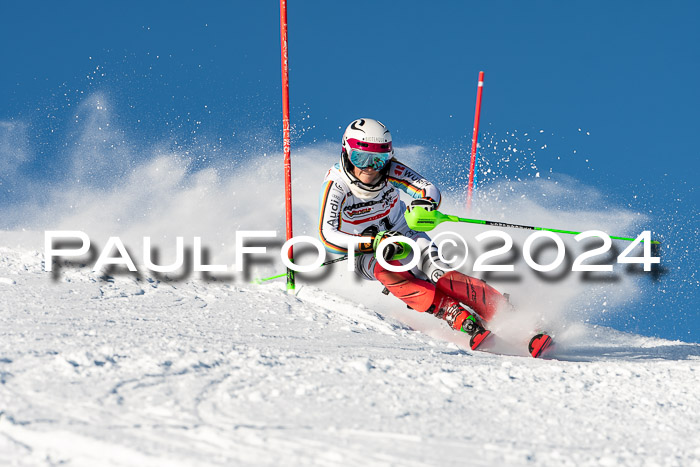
(459, 318)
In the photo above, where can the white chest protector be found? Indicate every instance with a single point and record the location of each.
(347, 213)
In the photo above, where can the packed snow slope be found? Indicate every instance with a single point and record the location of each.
(124, 370)
(117, 369)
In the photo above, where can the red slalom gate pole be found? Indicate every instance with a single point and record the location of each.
(286, 137)
(475, 139)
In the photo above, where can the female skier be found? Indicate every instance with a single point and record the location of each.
(360, 198)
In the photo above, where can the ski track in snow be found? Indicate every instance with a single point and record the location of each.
(99, 370)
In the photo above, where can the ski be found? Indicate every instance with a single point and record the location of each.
(472, 326)
(539, 344)
(478, 338)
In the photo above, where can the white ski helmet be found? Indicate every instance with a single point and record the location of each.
(366, 136)
(366, 143)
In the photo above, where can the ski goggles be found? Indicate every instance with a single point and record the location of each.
(369, 155)
(369, 160)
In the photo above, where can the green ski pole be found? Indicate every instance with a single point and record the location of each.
(422, 220)
(336, 260)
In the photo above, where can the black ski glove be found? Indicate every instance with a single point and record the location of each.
(393, 251)
(368, 247)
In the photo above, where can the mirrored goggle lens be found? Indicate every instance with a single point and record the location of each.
(366, 159)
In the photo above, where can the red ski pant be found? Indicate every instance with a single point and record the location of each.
(421, 295)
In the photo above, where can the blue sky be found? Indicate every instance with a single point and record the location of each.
(617, 82)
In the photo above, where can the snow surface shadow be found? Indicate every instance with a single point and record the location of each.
(583, 353)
